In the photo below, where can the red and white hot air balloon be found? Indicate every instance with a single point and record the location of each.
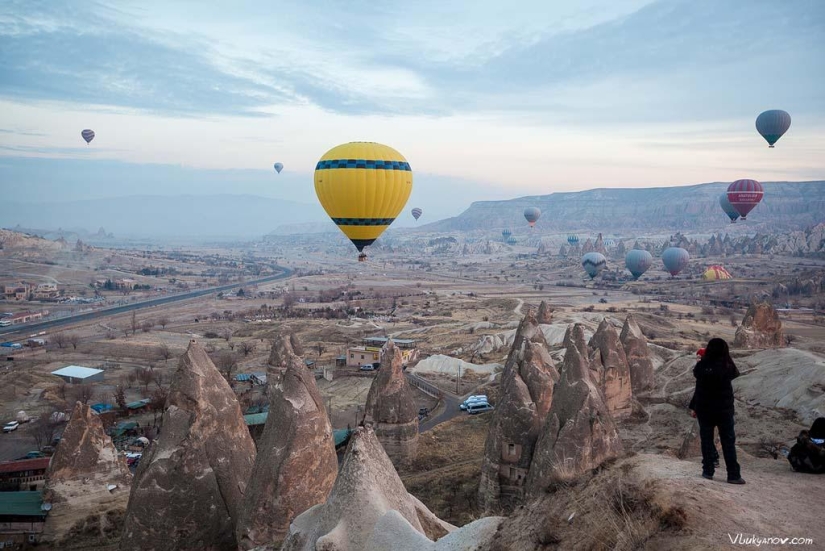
(744, 195)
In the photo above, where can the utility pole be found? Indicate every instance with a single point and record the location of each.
(458, 381)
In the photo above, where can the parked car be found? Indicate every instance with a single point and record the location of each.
(8, 427)
(472, 400)
(423, 413)
(34, 455)
(133, 458)
(367, 367)
(479, 407)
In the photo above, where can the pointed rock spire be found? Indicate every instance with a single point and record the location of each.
(191, 481)
(579, 433)
(545, 313)
(611, 373)
(391, 408)
(296, 442)
(86, 478)
(524, 400)
(367, 488)
(638, 355)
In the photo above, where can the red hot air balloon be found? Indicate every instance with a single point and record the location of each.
(744, 195)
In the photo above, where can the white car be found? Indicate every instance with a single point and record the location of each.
(479, 407)
(11, 426)
(367, 367)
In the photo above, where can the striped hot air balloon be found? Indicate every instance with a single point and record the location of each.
(88, 135)
(773, 124)
(593, 263)
(532, 214)
(416, 212)
(638, 261)
(362, 187)
(744, 195)
(728, 208)
(675, 259)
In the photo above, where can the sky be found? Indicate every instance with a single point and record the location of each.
(486, 99)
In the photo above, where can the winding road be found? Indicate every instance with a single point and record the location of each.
(28, 328)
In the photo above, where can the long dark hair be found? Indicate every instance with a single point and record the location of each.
(717, 353)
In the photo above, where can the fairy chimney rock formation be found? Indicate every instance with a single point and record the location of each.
(191, 482)
(545, 313)
(367, 488)
(579, 433)
(391, 408)
(610, 370)
(283, 348)
(524, 400)
(296, 463)
(86, 478)
(760, 328)
(638, 356)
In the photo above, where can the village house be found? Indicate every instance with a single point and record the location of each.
(24, 317)
(17, 291)
(46, 291)
(370, 351)
(24, 475)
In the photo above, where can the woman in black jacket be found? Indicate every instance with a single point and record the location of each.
(713, 404)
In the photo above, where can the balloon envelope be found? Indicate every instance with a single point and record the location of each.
(363, 186)
(593, 263)
(714, 273)
(506, 233)
(511, 240)
(728, 208)
(572, 239)
(773, 124)
(278, 167)
(744, 195)
(675, 259)
(638, 262)
(416, 212)
(88, 135)
(532, 214)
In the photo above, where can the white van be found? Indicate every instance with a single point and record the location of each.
(473, 400)
(478, 407)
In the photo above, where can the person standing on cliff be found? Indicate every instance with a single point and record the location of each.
(713, 404)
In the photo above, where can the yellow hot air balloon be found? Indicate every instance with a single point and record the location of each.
(363, 186)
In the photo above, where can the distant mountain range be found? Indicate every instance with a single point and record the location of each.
(243, 216)
(786, 206)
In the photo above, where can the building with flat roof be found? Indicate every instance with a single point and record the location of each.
(23, 474)
(370, 352)
(79, 374)
(21, 518)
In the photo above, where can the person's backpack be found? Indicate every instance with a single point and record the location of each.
(808, 454)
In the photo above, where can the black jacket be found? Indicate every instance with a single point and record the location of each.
(714, 391)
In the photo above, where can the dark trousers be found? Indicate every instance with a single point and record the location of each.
(724, 422)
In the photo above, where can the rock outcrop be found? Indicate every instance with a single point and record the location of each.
(391, 408)
(545, 313)
(524, 400)
(191, 482)
(638, 356)
(579, 433)
(87, 482)
(367, 488)
(610, 371)
(296, 463)
(761, 328)
(285, 346)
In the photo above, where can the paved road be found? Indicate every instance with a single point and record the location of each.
(30, 328)
(450, 401)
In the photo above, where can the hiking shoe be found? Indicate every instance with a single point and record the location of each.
(739, 480)
(709, 476)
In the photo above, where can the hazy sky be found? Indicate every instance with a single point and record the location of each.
(485, 98)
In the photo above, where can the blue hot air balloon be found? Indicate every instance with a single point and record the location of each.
(593, 263)
(772, 125)
(88, 135)
(278, 167)
(638, 261)
(572, 239)
(506, 234)
(417, 212)
(729, 209)
(511, 240)
(675, 259)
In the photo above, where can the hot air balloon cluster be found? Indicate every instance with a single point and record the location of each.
(593, 263)
(88, 135)
(675, 260)
(773, 124)
(532, 214)
(638, 261)
(363, 186)
(744, 195)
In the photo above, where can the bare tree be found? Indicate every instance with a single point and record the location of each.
(82, 393)
(146, 326)
(119, 396)
(226, 334)
(45, 430)
(145, 376)
(320, 348)
(163, 322)
(73, 339)
(59, 339)
(134, 323)
(226, 362)
(246, 348)
(125, 330)
(165, 352)
(158, 403)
